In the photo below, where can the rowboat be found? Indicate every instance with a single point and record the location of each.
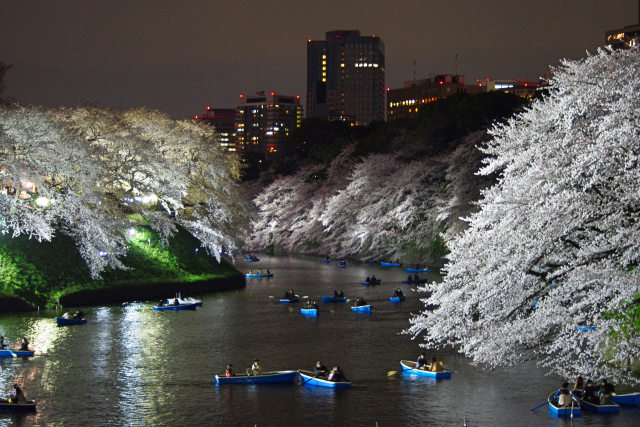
(613, 407)
(561, 411)
(183, 301)
(326, 260)
(397, 299)
(307, 378)
(409, 367)
(333, 299)
(254, 275)
(390, 264)
(342, 264)
(265, 377)
(290, 300)
(11, 407)
(175, 307)
(19, 353)
(362, 308)
(252, 258)
(61, 321)
(417, 270)
(312, 312)
(626, 399)
(372, 282)
(412, 281)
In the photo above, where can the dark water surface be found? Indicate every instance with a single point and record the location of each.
(132, 366)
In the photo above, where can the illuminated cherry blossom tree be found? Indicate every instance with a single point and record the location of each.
(93, 173)
(552, 255)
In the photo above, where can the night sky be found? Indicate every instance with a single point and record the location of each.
(179, 56)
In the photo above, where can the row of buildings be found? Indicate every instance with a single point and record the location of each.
(346, 81)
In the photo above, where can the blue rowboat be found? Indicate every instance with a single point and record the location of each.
(342, 265)
(417, 270)
(397, 299)
(626, 399)
(601, 409)
(411, 282)
(326, 260)
(307, 378)
(311, 312)
(333, 299)
(176, 307)
(372, 282)
(389, 264)
(362, 308)
(61, 321)
(19, 353)
(252, 259)
(562, 411)
(409, 367)
(265, 377)
(290, 300)
(17, 407)
(254, 275)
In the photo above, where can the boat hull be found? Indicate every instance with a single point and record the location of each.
(408, 367)
(389, 264)
(601, 409)
(362, 309)
(289, 301)
(333, 299)
(626, 399)
(411, 282)
(18, 407)
(60, 321)
(311, 312)
(19, 353)
(253, 276)
(307, 379)
(266, 377)
(417, 270)
(396, 299)
(176, 307)
(561, 411)
(372, 282)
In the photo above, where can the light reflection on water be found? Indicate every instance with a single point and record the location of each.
(130, 365)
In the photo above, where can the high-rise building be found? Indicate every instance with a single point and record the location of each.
(265, 120)
(346, 77)
(223, 121)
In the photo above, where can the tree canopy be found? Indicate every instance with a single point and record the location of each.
(548, 268)
(95, 174)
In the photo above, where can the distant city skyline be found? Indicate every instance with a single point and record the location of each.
(180, 56)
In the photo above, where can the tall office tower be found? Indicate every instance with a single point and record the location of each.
(265, 120)
(345, 77)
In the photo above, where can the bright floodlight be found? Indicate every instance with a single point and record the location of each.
(43, 202)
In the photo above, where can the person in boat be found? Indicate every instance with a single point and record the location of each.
(373, 278)
(335, 375)
(564, 398)
(409, 279)
(421, 363)
(359, 302)
(589, 394)
(24, 344)
(66, 315)
(289, 294)
(176, 301)
(398, 293)
(416, 278)
(368, 279)
(160, 303)
(17, 395)
(78, 315)
(343, 262)
(314, 305)
(340, 294)
(320, 371)
(606, 392)
(435, 365)
(579, 384)
(268, 272)
(2, 344)
(256, 369)
(335, 293)
(229, 371)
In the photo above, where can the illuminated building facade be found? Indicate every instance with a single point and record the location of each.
(346, 77)
(521, 88)
(406, 102)
(624, 37)
(264, 120)
(224, 122)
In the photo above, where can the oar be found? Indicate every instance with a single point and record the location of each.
(540, 405)
(571, 408)
(12, 353)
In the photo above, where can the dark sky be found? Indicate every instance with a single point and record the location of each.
(179, 56)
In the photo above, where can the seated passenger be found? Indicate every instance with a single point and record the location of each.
(579, 384)
(373, 278)
(320, 371)
(435, 365)
(564, 398)
(589, 394)
(24, 344)
(606, 392)
(66, 315)
(340, 294)
(160, 303)
(398, 293)
(229, 371)
(17, 395)
(368, 279)
(335, 375)
(421, 363)
(416, 278)
(256, 369)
